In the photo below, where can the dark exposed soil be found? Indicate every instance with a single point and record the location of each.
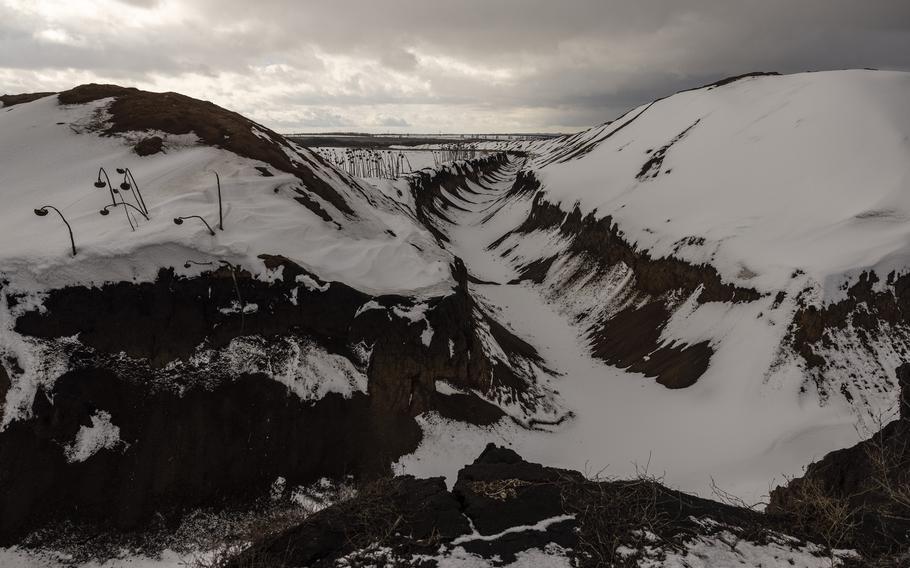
(135, 110)
(652, 168)
(4, 387)
(866, 310)
(430, 188)
(413, 519)
(149, 146)
(534, 271)
(631, 338)
(871, 479)
(12, 100)
(197, 437)
(603, 241)
(304, 199)
(179, 451)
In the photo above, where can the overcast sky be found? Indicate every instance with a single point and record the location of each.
(434, 65)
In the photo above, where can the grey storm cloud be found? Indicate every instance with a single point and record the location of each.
(465, 65)
(391, 121)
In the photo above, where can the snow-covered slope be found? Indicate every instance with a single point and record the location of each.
(682, 270)
(789, 188)
(166, 366)
(713, 286)
(801, 172)
(51, 156)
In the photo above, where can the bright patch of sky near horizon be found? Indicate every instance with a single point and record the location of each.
(416, 66)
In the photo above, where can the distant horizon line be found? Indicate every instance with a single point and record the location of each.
(423, 134)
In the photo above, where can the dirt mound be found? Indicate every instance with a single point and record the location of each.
(135, 111)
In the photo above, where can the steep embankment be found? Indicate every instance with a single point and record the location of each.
(786, 193)
(700, 262)
(171, 365)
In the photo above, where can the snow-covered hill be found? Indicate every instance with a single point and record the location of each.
(170, 363)
(719, 277)
(712, 287)
(52, 153)
(792, 187)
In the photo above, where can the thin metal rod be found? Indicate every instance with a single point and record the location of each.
(110, 186)
(135, 187)
(207, 226)
(125, 204)
(65, 222)
(126, 211)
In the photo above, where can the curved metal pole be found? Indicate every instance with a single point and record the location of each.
(110, 186)
(136, 193)
(113, 190)
(42, 211)
(126, 211)
(179, 221)
(125, 204)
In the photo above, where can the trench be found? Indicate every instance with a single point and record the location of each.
(617, 422)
